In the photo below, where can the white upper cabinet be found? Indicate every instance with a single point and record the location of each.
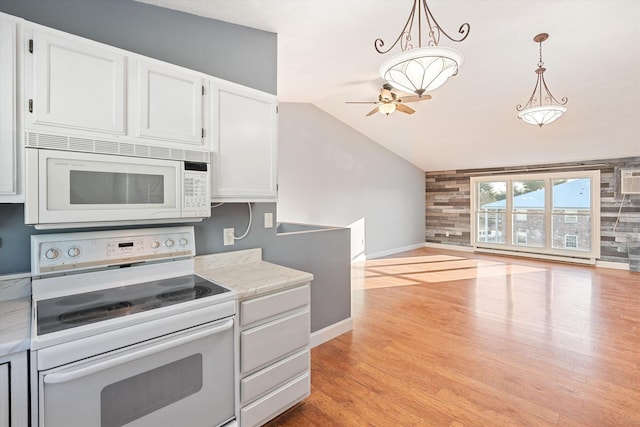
(171, 103)
(10, 154)
(244, 144)
(79, 88)
(76, 83)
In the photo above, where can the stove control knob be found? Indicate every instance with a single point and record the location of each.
(73, 252)
(155, 244)
(169, 243)
(52, 253)
(183, 241)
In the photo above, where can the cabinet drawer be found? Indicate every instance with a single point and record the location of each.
(274, 375)
(268, 342)
(262, 410)
(269, 305)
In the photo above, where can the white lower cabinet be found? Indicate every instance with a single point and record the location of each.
(14, 409)
(274, 354)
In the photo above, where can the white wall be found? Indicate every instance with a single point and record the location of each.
(329, 174)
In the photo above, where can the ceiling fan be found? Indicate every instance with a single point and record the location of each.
(388, 102)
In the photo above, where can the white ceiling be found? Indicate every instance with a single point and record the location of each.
(326, 56)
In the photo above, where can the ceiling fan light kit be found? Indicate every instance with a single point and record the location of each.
(421, 69)
(534, 112)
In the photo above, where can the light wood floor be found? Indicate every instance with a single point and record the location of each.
(457, 339)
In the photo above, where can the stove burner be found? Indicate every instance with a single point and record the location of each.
(185, 294)
(80, 298)
(96, 313)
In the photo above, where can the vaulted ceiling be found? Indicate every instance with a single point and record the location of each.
(326, 56)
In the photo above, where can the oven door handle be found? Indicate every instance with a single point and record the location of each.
(70, 375)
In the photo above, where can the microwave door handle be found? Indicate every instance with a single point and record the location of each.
(70, 375)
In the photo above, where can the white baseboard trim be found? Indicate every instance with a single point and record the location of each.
(331, 331)
(613, 265)
(449, 247)
(394, 251)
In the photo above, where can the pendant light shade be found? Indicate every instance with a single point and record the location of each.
(542, 107)
(421, 69)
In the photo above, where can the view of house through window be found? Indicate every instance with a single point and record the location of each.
(553, 213)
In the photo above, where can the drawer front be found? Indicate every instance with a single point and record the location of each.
(268, 342)
(274, 375)
(270, 305)
(276, 402)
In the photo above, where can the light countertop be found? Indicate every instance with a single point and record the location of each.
(15, 314)
(246, 273)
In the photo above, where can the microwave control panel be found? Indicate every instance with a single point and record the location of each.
(51, 253)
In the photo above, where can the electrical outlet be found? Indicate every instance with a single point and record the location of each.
(268, 220)
(228, 236)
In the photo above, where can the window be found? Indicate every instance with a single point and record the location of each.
(571, 241)
(543, 213)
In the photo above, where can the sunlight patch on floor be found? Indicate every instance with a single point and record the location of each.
(406, 271)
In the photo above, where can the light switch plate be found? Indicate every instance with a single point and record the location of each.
(268, 220)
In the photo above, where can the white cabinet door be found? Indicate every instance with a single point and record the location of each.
(75, 83)
(14, 397)
(244, 144)
(9, 166)
(170, 104)
(4, 395)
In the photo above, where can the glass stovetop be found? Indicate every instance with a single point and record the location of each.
(57, 314)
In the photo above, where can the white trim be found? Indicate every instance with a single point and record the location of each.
(448, 247)
(330, 332)
(613, 265)
(394, 251)
(537, 255)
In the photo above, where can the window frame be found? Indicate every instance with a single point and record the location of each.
(547, 249)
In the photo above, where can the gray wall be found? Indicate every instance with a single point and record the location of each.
(331, 174)
(216, 48)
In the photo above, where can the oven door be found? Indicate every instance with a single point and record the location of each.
(184, 379)
(70, 187)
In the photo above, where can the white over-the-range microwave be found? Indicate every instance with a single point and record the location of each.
(81, 188)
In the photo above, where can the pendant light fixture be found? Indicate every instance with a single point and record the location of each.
(421, 69)
(542, 107)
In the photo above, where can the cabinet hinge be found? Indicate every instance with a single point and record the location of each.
(203, 89)
(31, 105)
(30, 45)
(202, 132)
(277, 109)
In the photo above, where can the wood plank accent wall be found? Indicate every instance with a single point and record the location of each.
(448, 204)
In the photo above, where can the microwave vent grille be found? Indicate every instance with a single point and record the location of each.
(57, 142)
(160, 152)
(142, 150)
(177, 154)
(81, 144)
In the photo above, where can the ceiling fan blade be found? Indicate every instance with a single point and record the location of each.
(404, 109)
(361, 102)
(375, 110)
(415, 98)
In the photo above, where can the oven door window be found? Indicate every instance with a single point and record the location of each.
(184, 379)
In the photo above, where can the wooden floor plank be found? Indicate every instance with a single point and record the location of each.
(444, 338)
